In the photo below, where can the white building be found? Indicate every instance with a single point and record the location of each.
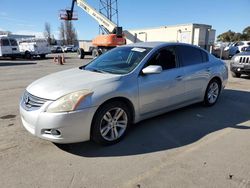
(15, 36)
(198, 34)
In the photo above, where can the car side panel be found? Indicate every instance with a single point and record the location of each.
(196, 79)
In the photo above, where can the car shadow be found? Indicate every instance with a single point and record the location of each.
(174, 129)
(6, 64)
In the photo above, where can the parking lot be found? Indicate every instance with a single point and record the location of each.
(191, 147)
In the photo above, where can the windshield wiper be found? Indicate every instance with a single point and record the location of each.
(96, 70)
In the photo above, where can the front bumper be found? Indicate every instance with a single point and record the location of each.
(73, 126)
(242, 68)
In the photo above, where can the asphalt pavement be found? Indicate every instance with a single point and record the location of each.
(192, 147)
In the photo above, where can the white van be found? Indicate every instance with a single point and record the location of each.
(34, 47)
(9, 47)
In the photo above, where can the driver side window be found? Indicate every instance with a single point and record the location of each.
(166, 58)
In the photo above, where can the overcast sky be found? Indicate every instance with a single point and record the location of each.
(29, 16)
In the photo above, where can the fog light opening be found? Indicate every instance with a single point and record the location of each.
(238, 69)
(55, 132)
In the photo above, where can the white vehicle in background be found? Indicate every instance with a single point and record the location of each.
(34, 47)
(69, 48)
(9, 47)
(237, 47)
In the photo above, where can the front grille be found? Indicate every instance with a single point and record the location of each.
(244, 60)
(31, 102)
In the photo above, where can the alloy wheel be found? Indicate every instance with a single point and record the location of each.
(213, 92)
(113, 124)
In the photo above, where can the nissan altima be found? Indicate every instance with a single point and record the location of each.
(127, 84)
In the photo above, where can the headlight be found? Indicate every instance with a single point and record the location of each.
(69, 102)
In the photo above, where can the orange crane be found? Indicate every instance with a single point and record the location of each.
(102, 43)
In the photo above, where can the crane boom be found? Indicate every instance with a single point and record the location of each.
(102, 43)
(101, 19)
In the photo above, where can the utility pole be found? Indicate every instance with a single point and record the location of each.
(109, 8)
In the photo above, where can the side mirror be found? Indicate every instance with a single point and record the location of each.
(152, 69)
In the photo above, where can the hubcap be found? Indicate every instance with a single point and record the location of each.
(113, 124)
(213, 92)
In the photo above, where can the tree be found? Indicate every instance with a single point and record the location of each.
(228, 36)
(231, 36)
(47, 32)
(62, 33)
(246, 33)
(247, 30)
(68, 33)
(53, 40)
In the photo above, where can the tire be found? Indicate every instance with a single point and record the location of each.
(27, 55)
(235, 74)
(43, 56)
(111, 123)
(81, 53)
(212, 92)
(96, 53)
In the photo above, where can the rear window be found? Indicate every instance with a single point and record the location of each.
(5, 42)
(13, 42)
(192, 56)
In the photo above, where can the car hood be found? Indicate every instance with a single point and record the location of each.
(59, 84)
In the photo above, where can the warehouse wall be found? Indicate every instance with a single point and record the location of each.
(197, 34)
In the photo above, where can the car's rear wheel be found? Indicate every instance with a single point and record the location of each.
(212, 92)
(28, 55)
(236, 75)
(110, 123)
(43, 56)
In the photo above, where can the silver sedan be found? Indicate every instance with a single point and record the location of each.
(128, 84)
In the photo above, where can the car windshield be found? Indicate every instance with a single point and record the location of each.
(121, 60)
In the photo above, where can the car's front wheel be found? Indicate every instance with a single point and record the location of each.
(110, 123)
(212, 92)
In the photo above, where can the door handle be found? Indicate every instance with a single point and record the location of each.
(179, 78)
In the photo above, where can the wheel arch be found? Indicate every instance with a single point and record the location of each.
(124, 100)
(218, 79)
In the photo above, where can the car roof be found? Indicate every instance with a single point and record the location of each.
(159, 44)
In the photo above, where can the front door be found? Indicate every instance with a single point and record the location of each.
(166, 89)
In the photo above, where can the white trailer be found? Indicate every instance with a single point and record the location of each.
(34, 47)
(198, 34)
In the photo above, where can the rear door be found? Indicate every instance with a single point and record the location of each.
(6, 47)
(197, 70)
